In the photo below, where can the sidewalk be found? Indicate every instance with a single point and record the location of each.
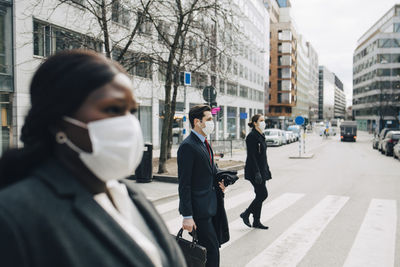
(157, 191)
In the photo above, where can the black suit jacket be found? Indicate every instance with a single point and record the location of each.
(50, 219)
(256, 160)
(196, 174)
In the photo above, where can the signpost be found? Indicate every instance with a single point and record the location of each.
(210, 94)
(187, 80)
(300, 121)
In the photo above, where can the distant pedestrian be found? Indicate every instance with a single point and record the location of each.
(256, 170)
(198, 189)
(61, 199)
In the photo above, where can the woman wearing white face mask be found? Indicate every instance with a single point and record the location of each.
(61, 199)
(256, 170)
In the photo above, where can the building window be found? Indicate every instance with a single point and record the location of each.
(232, 89)
(49, 39)
(6, 48)
(396, 27)
(138, 65)
(222, 86)
(144, 68)
(120, 14)
(231, 122)
(193, 47)
(145, 117)
(145, 26)
(383, 72)
(285, 35)
(244, 91)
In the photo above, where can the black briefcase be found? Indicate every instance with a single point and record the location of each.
(195, 255)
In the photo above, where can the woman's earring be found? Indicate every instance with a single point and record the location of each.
(61, 138)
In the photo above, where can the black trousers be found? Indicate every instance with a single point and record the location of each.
(261, 195)
(208, 239)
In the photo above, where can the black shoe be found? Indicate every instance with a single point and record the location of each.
(245, 218)
(259, 225)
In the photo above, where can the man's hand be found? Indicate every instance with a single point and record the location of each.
(222, 186)
(188, 224)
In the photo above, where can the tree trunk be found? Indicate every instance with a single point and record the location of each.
(172, 115)
(164, 135)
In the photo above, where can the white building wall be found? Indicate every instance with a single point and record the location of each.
(255, 24)
(303, 80)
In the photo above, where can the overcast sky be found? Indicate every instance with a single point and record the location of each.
(334, 26)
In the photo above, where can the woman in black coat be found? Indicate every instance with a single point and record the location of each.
(62, 201)
(256, 170)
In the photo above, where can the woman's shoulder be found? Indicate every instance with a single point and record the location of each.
(22, 191)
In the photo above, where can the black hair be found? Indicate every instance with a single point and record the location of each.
(197, 112)
(254, 119)
(58, 88)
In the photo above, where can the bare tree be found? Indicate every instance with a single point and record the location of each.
(170, 35)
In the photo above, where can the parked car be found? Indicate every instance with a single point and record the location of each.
(293, 136)
(296, 130)
(289, 138)
(391, 139)
(274, 137)
(382, 136)
(396, 151)
(375, 141)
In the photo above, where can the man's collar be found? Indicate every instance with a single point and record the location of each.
(200, 136)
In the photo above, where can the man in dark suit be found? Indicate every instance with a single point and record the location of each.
(197, 191)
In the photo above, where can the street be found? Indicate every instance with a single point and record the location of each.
(339, 208)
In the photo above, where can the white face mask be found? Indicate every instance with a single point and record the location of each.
(261, 125)
(209, 128)
(117, 145)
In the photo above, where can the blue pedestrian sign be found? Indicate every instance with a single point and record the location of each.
(299, 120)
(188, 78)
(243, 115)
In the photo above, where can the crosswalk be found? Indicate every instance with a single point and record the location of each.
(373, 245)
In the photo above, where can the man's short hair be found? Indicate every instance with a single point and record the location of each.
(197, 112)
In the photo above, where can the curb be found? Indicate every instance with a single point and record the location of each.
(163, 198)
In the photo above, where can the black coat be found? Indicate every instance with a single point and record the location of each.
(199, 192)
(196, 177)
(50, 219)
(256, 160)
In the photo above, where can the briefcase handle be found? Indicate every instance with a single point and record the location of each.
(193, 234)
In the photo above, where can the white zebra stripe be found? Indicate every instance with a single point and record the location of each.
(237, 229)
(376, 239)
(294, 243)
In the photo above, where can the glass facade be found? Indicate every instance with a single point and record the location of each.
(231, 122)
(145, 118)
(6, 74)
(49, 39)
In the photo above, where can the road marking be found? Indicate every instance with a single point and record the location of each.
(376, 240)
(294, 243)
(237, 229)
(175, 224)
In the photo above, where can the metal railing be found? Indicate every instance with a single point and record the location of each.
(227, 146)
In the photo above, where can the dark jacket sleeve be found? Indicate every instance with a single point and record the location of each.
(11, 244)
(251, 143)
(185, 168)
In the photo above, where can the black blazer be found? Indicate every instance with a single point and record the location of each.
(196, 174)
(50, 219)
(256, 160)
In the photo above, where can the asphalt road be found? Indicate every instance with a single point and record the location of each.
(339, 208)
